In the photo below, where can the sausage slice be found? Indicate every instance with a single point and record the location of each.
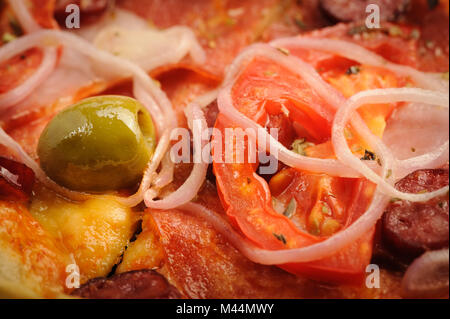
(409, 229)
(140, 284)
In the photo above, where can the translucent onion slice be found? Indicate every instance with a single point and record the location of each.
(149, 47)
(149, 173)
(326, 248)
(46, 67)
(124, 68)
(418, 136)
(427, 276)
(159, 118)
(382, 96)
(165, 176)
(360, 54)
(190, 188)
(22, 91)
(432, 159)
(307, 72)
(24, 16)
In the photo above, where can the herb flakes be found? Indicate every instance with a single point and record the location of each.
(8, 37)
(300, 145)
(281, 238)
(368, 156)
(395, 31)
(299, 22)
(353, 70)
(284, 51)
(270, 73)
(326, 209)
(389, 174)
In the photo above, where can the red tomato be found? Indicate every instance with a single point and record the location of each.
(266, 91)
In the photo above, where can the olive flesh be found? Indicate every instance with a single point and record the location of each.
(100, 144)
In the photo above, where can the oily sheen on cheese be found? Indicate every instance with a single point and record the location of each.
(95, 232)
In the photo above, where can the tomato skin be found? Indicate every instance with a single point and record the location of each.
(246, 199)
(269, 94)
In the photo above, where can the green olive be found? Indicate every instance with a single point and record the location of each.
(99, 144)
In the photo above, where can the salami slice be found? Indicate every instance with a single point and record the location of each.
(409, 228)
(140, 284)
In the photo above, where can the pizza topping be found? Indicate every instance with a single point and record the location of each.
(190, 188)
(328, 231)
(363, 56)
(139, 284)
(21, 92)
(409, 229)
(16, 180)
(427, 277)
(246, 98)
(100, 144)
(343, 152)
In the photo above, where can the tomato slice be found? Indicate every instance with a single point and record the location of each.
(248, 203)
(274, 96)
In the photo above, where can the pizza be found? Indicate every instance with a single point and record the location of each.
(221, 149)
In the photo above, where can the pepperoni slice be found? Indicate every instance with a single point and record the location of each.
(410, 229)
(139, 284)
(355, 10)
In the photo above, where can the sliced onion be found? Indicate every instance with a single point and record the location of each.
(46, 67)
(427, 277)
(129, 36)
(382, 96)
(24, 16)
(120, 66)
(307, 72)
(417, 135)
(318, 251)
(165, 177)
(191, 186)
(149, 173)
(147, 100)
(360, 54)
(432, 160)
(22, 91)
(150, 48)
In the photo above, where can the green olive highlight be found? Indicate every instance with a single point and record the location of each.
(100, 144)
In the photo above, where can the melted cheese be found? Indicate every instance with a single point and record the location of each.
(32, 262)
(95, 232)
(146, 252)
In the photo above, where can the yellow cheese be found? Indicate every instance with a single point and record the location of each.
(146, 252)
(95, 232)
(32, 262)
